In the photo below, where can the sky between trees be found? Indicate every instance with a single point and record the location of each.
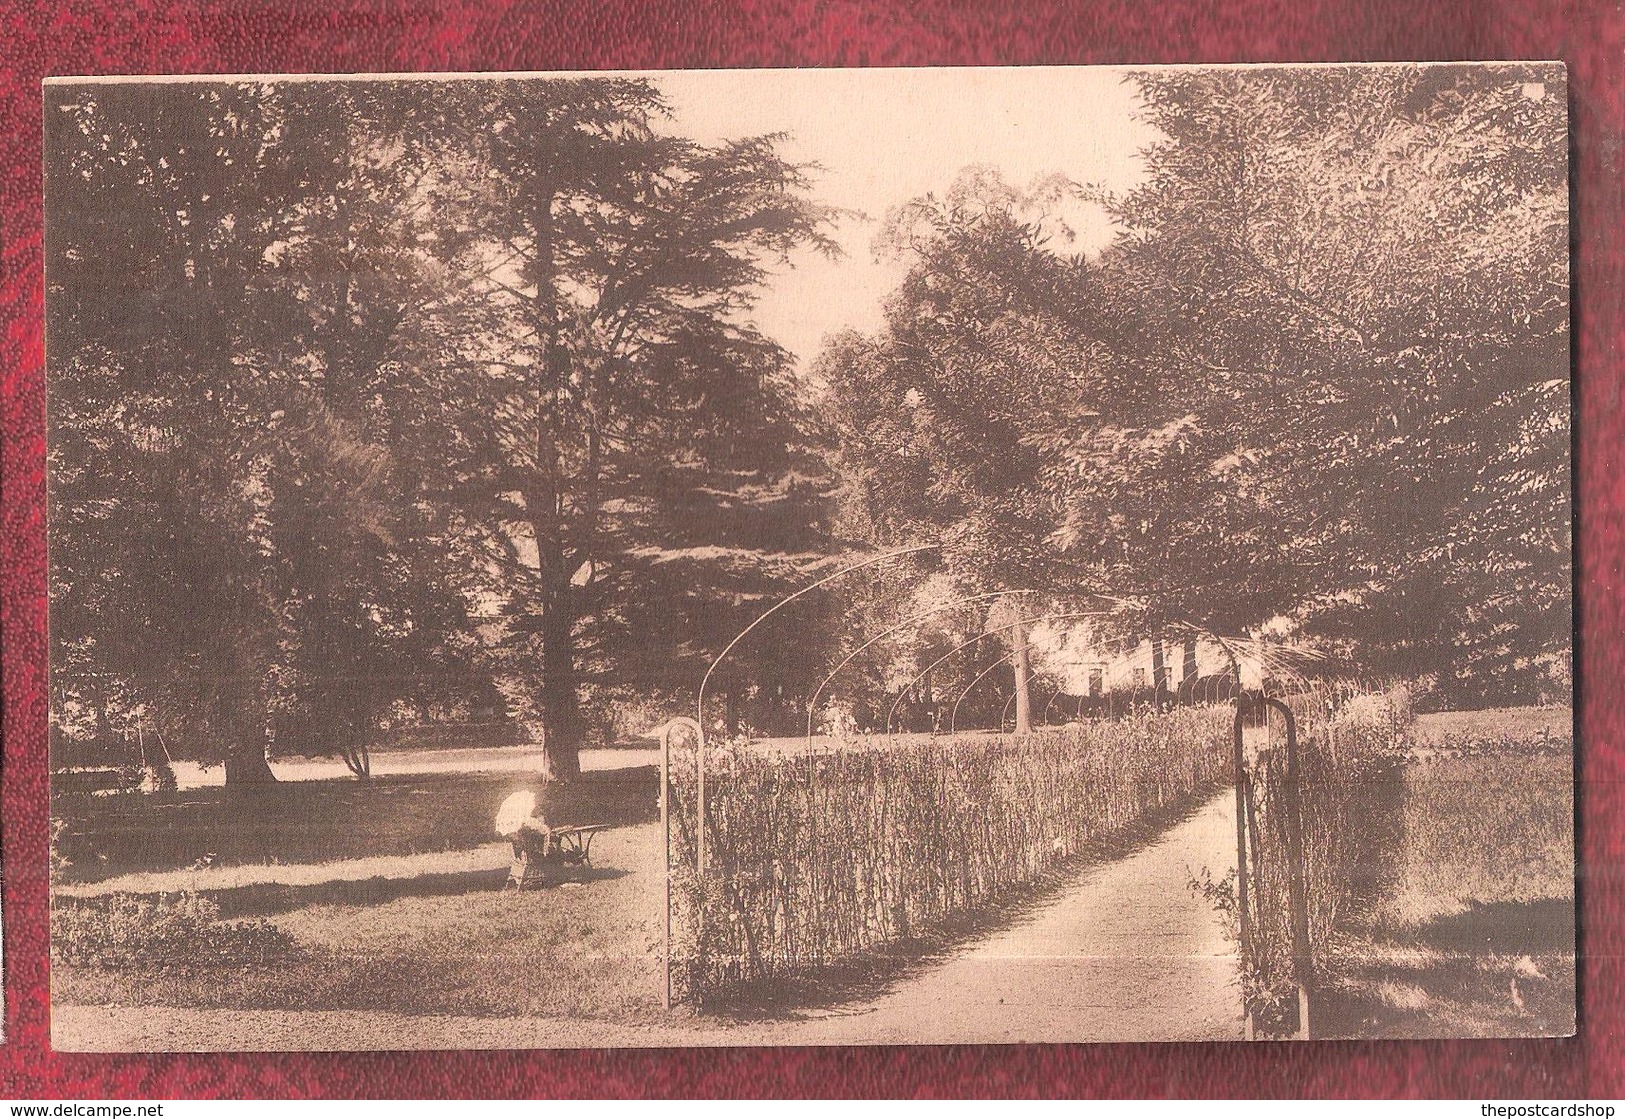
(881, 137)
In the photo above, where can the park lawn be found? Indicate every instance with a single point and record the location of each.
(1475, 936)
(587, 950)
(1525, 724)
(317, 821)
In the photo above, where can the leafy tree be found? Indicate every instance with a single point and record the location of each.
(935, 413)
(1319, 373)
(159, 580)
(1356, 291)
(338, 366)
(228, 267)
(627, 409)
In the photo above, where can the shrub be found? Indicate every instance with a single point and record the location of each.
(815, 860)
(449, 736)
(166, 931)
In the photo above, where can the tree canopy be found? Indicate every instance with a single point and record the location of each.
(371, 394)
(1320, 373)
(379, 402)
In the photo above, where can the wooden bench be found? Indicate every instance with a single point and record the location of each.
(535, 851)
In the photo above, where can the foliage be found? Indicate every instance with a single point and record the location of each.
(173, 932)
(376, 398)
(814, 860)
(1355, 289)
(635, 434)
(380, 395)
(935, 413)
(1322, 372)
(229, 272)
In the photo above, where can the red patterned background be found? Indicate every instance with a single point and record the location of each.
(151, 36)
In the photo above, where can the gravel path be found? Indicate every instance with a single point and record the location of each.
(1126, 953)
(393, 763)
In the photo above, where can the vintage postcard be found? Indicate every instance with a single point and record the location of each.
(810, 557)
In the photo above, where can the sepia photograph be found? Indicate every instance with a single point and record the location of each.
(809, 557)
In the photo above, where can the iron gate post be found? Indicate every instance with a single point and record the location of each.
(1302, 954)
(665, 827)
(665, 834)
(1244, 938)
(699, 796)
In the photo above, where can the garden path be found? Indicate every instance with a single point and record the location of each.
(1128, 952)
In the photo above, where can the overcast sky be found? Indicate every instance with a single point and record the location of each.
(886, 136)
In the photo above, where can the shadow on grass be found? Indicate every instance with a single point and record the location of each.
(320, 821)
(269, 899)
(844, 988)
(1501, 969)
(1502, 928)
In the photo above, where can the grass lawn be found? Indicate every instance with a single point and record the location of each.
(318, 821)
(1475, 937)
(437, 945)
(419, 926)
(1522, 724)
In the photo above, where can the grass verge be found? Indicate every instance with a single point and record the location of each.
(1476, 936)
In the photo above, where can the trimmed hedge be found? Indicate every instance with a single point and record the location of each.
(814, 860)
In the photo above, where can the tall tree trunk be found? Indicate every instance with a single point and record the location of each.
(1159, 675)
(1024, 710)
(562, 725)
(1189, 670)
(248, 766)
(731, 711)
(563, 728)
(246, 763)
(239, 708)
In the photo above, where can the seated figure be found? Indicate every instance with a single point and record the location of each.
(528, 831)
